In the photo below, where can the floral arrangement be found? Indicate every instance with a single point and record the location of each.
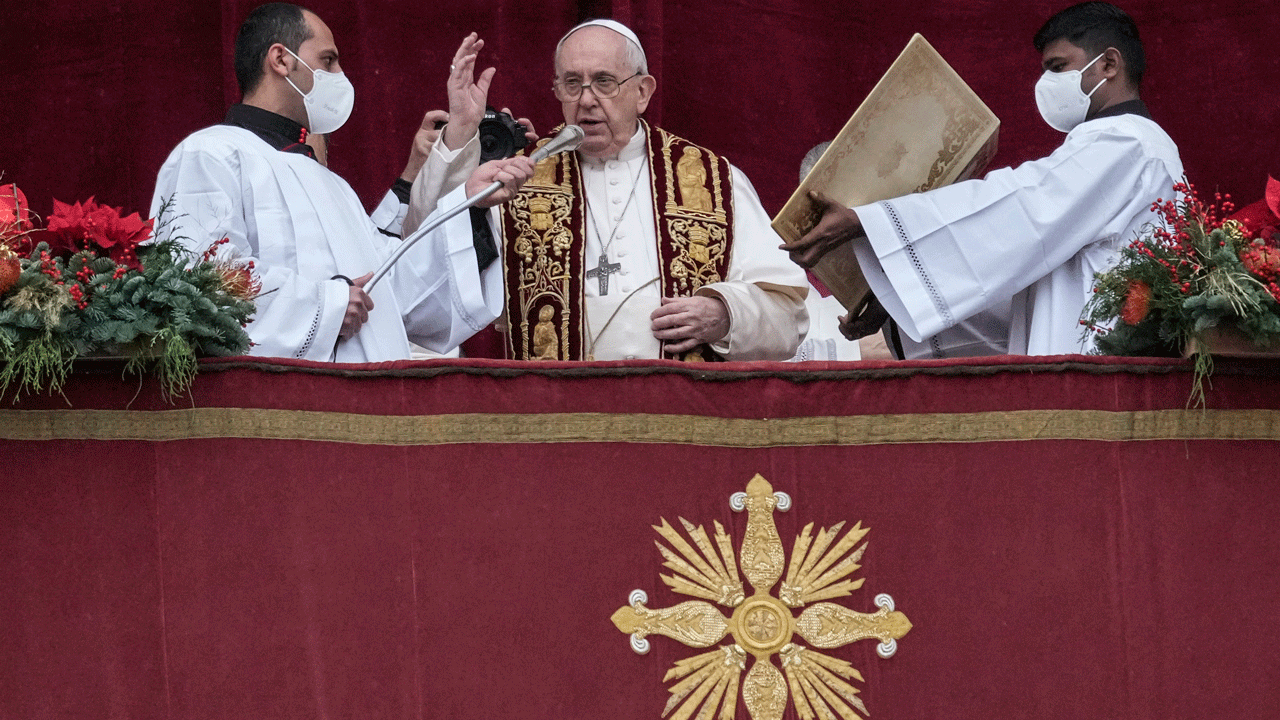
(1195, 273)
(95, 282)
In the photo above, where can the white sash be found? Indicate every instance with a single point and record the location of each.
(333, 236)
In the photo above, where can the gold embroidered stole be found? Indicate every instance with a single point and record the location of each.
(544, 248)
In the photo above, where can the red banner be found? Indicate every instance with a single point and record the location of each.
(450, 539)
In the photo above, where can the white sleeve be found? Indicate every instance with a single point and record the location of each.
(294, 317)
(934, 259)
(389, 215)
(444, 171)
(444, 297)
(764, 291)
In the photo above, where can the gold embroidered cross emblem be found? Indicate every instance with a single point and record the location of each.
(762, 625)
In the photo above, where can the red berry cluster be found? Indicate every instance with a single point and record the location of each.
(49, 267)
(1264, 262)
(77, 293)
(212, 250)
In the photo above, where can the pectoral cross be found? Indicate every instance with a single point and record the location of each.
(603, 270)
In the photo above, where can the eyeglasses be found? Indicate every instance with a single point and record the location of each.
(603, 87)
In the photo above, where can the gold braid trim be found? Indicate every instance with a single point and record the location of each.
(503, 428)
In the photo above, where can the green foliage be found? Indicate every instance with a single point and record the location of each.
(175, 309)
(1180, 279)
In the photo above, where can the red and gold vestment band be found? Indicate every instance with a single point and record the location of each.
(544, 230)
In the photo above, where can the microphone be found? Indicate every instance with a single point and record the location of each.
(567, 139)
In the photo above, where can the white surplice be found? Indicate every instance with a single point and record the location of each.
(763, 290)
(1013, 255)
(302, 225)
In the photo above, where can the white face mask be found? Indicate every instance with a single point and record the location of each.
(1061, 102)
(330, 101)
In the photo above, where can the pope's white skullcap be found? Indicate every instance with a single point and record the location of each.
(613, 25)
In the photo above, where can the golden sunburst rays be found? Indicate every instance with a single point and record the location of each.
(712, 682)
(817, 687)
(762, 625)
(811, 577)
(715, 578)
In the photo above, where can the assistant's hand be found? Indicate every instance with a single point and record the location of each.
(838, 225)
(529, 133)
(872, 317)
(685, 323)
(467, 94)
(358, 306)
(423, 140)
(511, 172)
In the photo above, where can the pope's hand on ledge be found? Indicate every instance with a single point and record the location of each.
(685, 323)
(838, 225)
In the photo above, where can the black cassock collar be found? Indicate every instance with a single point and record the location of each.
(1128, 107)
(277, 131)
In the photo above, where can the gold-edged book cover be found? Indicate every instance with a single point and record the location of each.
(920, 128)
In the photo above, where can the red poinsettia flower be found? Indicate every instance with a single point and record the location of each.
(1137, 302)
(90, 226)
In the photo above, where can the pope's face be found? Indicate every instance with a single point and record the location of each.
(594, 52)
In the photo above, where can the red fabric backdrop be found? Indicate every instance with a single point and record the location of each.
(96, 94)
(231, 557)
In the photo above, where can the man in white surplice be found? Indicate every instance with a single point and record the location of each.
(254, 181)
(1005, 264)
(755, 311)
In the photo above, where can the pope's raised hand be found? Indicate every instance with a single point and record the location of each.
(837, 225)
(511, 172)
(467, 93)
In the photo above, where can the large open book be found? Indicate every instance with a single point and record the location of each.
(920, 128)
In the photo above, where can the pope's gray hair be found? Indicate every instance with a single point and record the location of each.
(811, 159)
(635, 57)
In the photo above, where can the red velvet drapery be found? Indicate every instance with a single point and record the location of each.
(449, 540)
(95, 95)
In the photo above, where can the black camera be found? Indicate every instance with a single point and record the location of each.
(500, 136)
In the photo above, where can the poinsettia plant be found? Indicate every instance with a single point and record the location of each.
(94, 281)
(1195, 271)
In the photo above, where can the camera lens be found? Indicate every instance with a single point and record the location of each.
(496, 141)
(500, 136)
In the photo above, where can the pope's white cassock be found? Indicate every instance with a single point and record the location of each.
(763, 290)
(302, 225)
(1006, 263)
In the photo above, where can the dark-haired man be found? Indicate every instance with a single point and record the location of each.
(1005, 264)
(255, 181)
